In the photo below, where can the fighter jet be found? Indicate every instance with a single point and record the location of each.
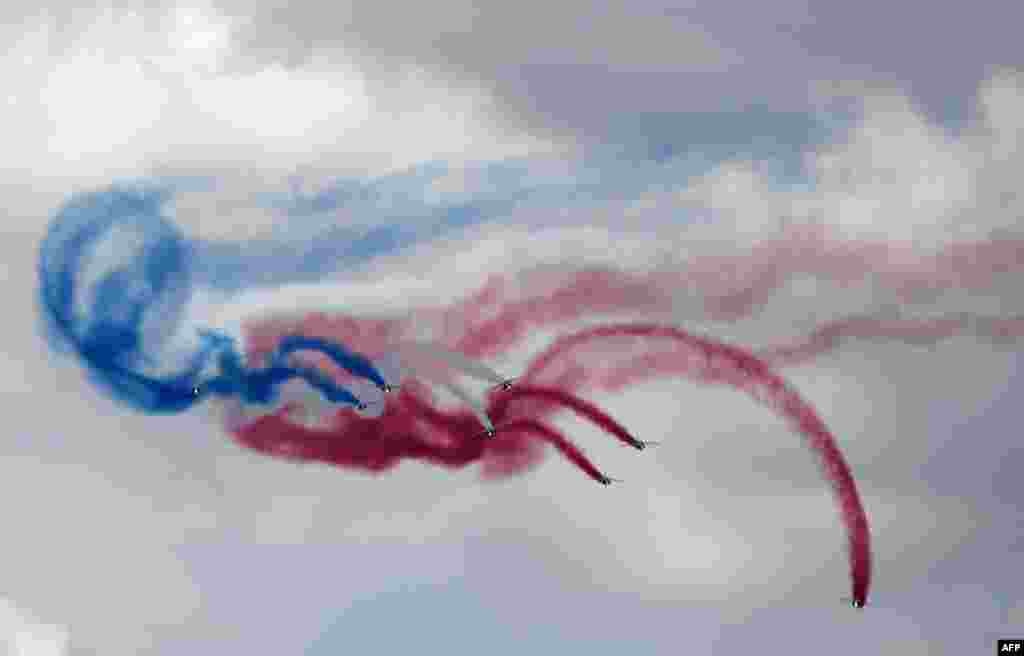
(854, 603)
(504, 385)
(605, 480)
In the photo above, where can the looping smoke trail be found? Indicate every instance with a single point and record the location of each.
(149, 276)
(587, 359)
(114, 279)
(116, 276)
(719, 362)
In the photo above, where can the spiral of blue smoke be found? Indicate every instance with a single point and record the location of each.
(114, 279)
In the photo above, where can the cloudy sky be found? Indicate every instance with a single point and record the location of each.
(394, 154)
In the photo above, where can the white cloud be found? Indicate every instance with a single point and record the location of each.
(139, 93)
(22, 634)
(895, 176)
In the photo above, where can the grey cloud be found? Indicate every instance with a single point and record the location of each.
(563, 69)
(512, 50)
(566, 66)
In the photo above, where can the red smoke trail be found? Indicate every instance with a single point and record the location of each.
(503, 312)
(412, 428)
(498, 409)
(910, 331)
(731, 287)
(560, 442)
(711, 361)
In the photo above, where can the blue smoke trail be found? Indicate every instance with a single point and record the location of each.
(351, 362)
(114, 278)
(115, 275)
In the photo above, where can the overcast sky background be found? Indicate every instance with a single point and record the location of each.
(417, 147)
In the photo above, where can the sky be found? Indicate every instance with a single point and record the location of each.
(376, 157)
